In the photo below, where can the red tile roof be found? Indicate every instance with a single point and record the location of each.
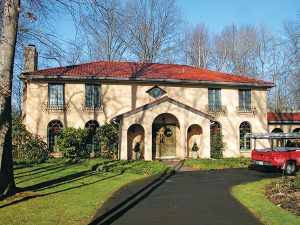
(272, 116)
(143, 71)
(159, 101)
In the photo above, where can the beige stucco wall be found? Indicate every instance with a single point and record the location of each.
(119, 97)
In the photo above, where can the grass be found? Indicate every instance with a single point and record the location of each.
(61, 193)
(215, 164)
(252, 196)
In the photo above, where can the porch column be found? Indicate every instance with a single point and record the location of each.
(148, 143)
(123, 141)
(206, 139)
(183, 141)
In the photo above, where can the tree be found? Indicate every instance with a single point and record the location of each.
(152, 27)
(7, 51)
(102, 28)
(197, 49)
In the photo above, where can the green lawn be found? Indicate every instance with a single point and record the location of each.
(252, 196)
(60, 194)
(214, 164)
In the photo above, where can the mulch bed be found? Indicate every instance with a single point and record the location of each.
(284, 194)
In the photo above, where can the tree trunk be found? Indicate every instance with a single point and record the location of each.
(7, 52)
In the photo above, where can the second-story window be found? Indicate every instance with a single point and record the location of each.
(56, 96)
(92, 96)
(245, 100)
(214, 99)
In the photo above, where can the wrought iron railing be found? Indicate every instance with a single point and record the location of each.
(58, 107)
(216, 109)
(91, 109)
(248, 110)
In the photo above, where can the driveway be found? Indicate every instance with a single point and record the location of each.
(185, 198)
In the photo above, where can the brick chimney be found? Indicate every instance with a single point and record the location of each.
(30, 58)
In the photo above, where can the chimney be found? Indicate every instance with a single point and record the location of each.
(30, 58)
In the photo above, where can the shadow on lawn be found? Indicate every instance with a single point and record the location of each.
(42, 173)
(58, 182)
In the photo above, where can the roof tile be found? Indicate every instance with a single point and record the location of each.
(127, 70)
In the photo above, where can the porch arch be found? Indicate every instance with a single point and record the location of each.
(296, 130)
(194, 133)
(135, 139)
(165, 136)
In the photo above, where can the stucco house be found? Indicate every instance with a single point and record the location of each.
(164, 108)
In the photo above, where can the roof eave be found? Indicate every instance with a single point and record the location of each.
(23, 76)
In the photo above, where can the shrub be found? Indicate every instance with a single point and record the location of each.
(71, 142)
(108, 137)
(27, 148)
(217, 146)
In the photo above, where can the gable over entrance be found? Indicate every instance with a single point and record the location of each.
(165, 123)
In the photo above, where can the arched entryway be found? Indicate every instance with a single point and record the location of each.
(165, 134)
(53, 128)
(135, 142)
(91, 145)
(278, 142)
(194, 133)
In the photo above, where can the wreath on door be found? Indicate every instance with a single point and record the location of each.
(168, 132)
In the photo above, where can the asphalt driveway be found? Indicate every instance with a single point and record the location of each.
(185, 198)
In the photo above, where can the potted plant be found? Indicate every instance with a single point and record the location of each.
(195, 150)
(137, 150)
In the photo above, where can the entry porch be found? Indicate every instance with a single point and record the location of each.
(163, 129)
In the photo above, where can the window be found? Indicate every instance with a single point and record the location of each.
(214, 99)
(244, 100)
(56, 96)
(244, 129)
(156, 92)
(92, 96)
(91, 144)
(53, 127)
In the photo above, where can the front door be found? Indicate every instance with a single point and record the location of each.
(164, 141)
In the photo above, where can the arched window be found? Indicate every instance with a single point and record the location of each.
(277, 130)
(53, 127)
(91, 144)
(215, 128)
(297, 130)
(92, 125)
(244, 129)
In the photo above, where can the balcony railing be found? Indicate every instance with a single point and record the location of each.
(60, 107)
(216, 110)
(246, 111)
(91, 109)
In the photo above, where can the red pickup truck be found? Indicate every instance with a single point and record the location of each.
(284, 151)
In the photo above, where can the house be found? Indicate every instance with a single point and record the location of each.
(162, 108)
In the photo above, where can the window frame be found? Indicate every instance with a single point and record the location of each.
(214, 99)
(94, 98)
(244, 99)
(55, 103)
(242, 135)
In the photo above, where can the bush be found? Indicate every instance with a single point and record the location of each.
(136, 167)
(27, 148)
(71, 142)
(108, 137)
(217, 146)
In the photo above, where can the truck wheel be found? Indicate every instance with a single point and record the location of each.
(290, 168)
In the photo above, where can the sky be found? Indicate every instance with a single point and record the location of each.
(218, 13)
